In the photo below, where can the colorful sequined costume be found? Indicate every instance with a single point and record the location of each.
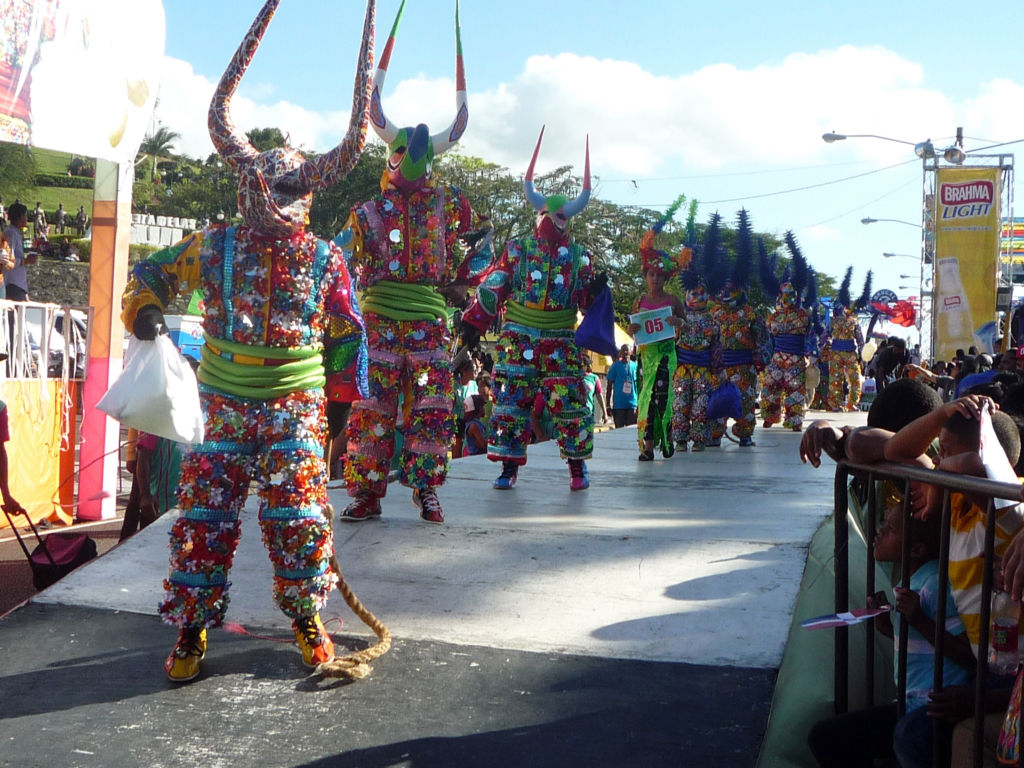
(744, 333)
(847, 340)
(699, 356)
(540, 282)
(272, 291)
(698, 347)
(405, 258)
(793, 341)
(844, 362)
(407, 332)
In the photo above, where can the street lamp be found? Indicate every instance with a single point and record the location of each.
(930, 159)
(869, 220)
(925, 150)
(901, 256)
(831, 138)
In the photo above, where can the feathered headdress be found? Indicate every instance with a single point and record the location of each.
(843, 295)
(740, 277)
(801, 270)
(708, 264)
(811, 303)
(766, 271)
(865, 295)
(651, 257)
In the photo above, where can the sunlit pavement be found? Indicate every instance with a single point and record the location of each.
(639, 622)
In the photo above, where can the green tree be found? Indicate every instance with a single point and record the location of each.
(331, 206)
(155, 146)
(611, 232)
(266, 138)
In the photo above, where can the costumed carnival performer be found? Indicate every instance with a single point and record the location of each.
(404, 255)
(847, 340)
(744, 333)
(540, 282)
(658, 356)
(793, 336)
(698, 344)
(270, 289)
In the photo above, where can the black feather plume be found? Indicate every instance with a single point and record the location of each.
(766, 272)
(843, 296)
(713, 263)
(744, 251)
(800, 268)
(865, 295)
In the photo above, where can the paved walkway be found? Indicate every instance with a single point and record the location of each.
(637, 623)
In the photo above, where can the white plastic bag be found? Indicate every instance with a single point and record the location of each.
(156, 393)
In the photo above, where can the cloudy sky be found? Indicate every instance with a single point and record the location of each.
(725, 102)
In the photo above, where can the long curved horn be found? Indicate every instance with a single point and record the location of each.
(230, 143)
(537, 200)
(450, 136)
(575, 206)
(336, 164)
(382, 126)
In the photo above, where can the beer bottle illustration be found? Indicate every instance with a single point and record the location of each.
(954, 313)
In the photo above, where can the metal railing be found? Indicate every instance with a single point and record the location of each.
(44, 340)
(951, 483)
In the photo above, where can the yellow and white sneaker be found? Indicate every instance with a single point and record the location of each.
(183, 663)
(313, 640)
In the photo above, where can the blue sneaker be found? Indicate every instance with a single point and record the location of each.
(746, 442)
(579, 478)
(509, 475)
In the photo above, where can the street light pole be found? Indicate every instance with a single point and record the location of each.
(869, 220)
(926, 151)
(832, 137)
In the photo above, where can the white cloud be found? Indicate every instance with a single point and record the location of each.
(184, 101)
(715, 118)
(820, 234)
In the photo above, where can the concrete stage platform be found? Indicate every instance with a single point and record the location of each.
(639, 622)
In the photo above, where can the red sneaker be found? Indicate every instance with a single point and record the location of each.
(365, 505)
(429, 504)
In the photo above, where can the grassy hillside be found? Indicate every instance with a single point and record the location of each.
(49, 161)
(51, 197)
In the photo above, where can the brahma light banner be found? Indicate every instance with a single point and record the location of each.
(80, 75)
(967, 219)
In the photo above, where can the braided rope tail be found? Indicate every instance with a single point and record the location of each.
(355, 666)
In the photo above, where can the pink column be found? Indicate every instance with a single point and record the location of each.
(108, 274)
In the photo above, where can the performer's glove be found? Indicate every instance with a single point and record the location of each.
(149, 323)
(598, 284)
(470, 336)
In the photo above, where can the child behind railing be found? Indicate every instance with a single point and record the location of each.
(957, 426)
(854, 738)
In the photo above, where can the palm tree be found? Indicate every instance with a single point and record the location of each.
(156, 145)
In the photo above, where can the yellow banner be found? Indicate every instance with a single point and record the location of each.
(967, 221)
(34, 415)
